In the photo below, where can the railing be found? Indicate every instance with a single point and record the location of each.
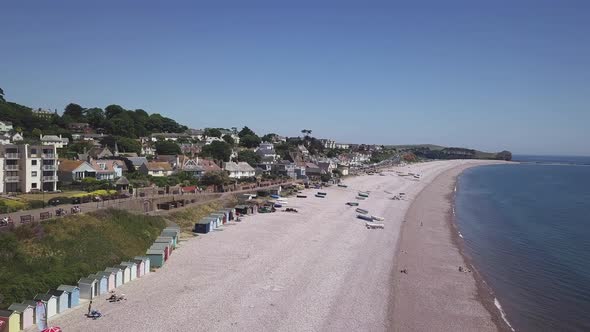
(48, 156)
(12, 155)
(49, 167)
(49, 178)
(11, 179)
(11, 167)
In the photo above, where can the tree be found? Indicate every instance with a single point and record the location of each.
(124, 144)
(269, 137)
(212, 132)
(250, 157)
(215, 178)
(229, 140)
(250, 141)
(112, 110)
(74, 111)
(246, 131)
(306, 132)
(36, 133)
(2, 95)
(95, 117)
(217, 150)
(167, 147)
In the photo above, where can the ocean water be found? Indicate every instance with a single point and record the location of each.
(527, 229)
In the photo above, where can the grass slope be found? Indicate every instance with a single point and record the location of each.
(35, 258)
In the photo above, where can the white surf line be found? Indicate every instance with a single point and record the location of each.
(502, 313)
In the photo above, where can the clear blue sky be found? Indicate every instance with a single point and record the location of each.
(490, 75)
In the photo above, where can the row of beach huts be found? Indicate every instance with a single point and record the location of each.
(221, 217)
(20, 316)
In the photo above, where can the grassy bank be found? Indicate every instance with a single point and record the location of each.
(35, 258)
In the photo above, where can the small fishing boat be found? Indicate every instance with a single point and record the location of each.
(364, 217)
(322, 193)
(362, 194)
(377, 218)
(320, 196)
(342, 185)
(362, 211)
(361, 198)
(275, 196)
(352, 203)
(301, 196)
(277, 205)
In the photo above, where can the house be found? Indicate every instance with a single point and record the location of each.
(79, 127)
(173, 233)
(155, 168)
(58, 141)
(327, 166)
(111, 279)
(97, 152)
(17, 137)
(208, 165)
(169, 136)
(122, 184)
(303, 150)
(266, 150)
(88, 288)
(165, 239)
(118, 275)
(147, 150)
(26, 312)
(285, 168)
(196, 134)
(70, 171)
(5, 126)
(126, 272)
(156, 257)
(312, 171)
(146, 264)
(44, 114)
(108, 169)
(191, 149)
(190, 166)
(62, 299)
(132, 269)
(239, 170)
(300, 171)
(5, 138)
(28, 168)
(211, 139)
(328, 143)
(73, 294)
(137, 161)
(102, 283)
(342, 146)
(50, 302)
(9, 321)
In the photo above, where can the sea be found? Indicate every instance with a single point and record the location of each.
(526, 228)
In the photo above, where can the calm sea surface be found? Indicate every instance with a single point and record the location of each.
(527, 229)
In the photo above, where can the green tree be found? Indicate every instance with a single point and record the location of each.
(229, 140)
(167, 147)
(217, 150)
(36, 133)
(212, 132)
(95, 117)
(250, 141)
(112, 110)
(250, 157)
(215, 178)
(246, 131)
(268, 137)
(74, 111)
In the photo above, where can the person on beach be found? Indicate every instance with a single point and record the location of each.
(89, 307)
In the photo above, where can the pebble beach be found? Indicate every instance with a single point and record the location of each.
(319, 269)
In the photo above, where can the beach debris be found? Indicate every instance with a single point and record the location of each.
(404, 271)
(372, 225)
(116, 298)
(94, 314)
(460, 268)
(291, 210)
(342, 185)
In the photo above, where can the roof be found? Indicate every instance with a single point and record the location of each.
(159, 245)
(155, 251)
(56, 292)
(143, 258)
(158, 166)
(54, 138)
(109, 165)
(122, 266)
(169, 158)
(116, 269)
(86, 281)
(122, 181)
(70, 165)
(44, 297)
(189, 189)
(67, 288)
(239, 167)
(6, 313)
(19, 307)
(137, 161)
(208, 165)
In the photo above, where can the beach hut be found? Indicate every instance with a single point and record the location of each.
(146, 264)
(164, 246)
(231, 213)
(102, 283)
(26, 312)
(218, 220)
(118, 275)
(174, 234)
(139, 265)
(126, 272)
(50, 302)
(132, 269)
(62, 299)
(203, 226)
(222, 217)
(9, 321)
(166, 239)
(156, 257)
(32, 304)
(110, 276)
(73, 294)
(88, 288)
(242, 209)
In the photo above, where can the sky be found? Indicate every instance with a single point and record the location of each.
(490, 75)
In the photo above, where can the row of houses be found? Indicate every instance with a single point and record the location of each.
(21, 316)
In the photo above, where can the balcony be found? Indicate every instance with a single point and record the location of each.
(49, 178)
(11, 179)
(11, 167)
(12, 155)
(49, 167)
(48, 156)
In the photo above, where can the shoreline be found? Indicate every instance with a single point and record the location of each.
(434, 294)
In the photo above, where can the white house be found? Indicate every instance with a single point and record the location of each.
(17, 137)
(5, 126)
(58, 141)
(239, 170)
(211, 139)
(156, 168)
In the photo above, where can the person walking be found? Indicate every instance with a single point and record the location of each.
(89, 307)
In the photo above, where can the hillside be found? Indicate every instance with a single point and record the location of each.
(37, 257)
(431, 151)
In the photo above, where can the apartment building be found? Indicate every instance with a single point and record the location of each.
(26, 168)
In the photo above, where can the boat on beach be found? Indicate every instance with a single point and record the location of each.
(362, 211)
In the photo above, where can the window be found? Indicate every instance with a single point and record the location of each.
(33, 151)
(33, 186)
(33, 163)
(34, 173)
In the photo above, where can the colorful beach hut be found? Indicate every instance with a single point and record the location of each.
(140, 269)
(73, 295)
(222, 217)
(163, 246)
(174, 234)
(50, 302)
(126, 272)
(217, 220)
(32, 304)
(156, 257)
(62, 299)
(146, 264)
(26, 312)
(118, 275)
(242, 209)
(203, 226)
(132, 269)
(166, 239)
(102, 283)
(110, 276)
(9, 321)
(88, 288)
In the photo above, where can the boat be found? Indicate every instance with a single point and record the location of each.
(322, 193)
(275, 196)
(320, 196)
(352, 203)
(377, 218)
(342, 186)
(277, 205)
(301, 196)
(362, 194)
(363, 211)
(361, 198)
(364, 217)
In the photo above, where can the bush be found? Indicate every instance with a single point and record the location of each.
(60, 200)
(36, 204)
